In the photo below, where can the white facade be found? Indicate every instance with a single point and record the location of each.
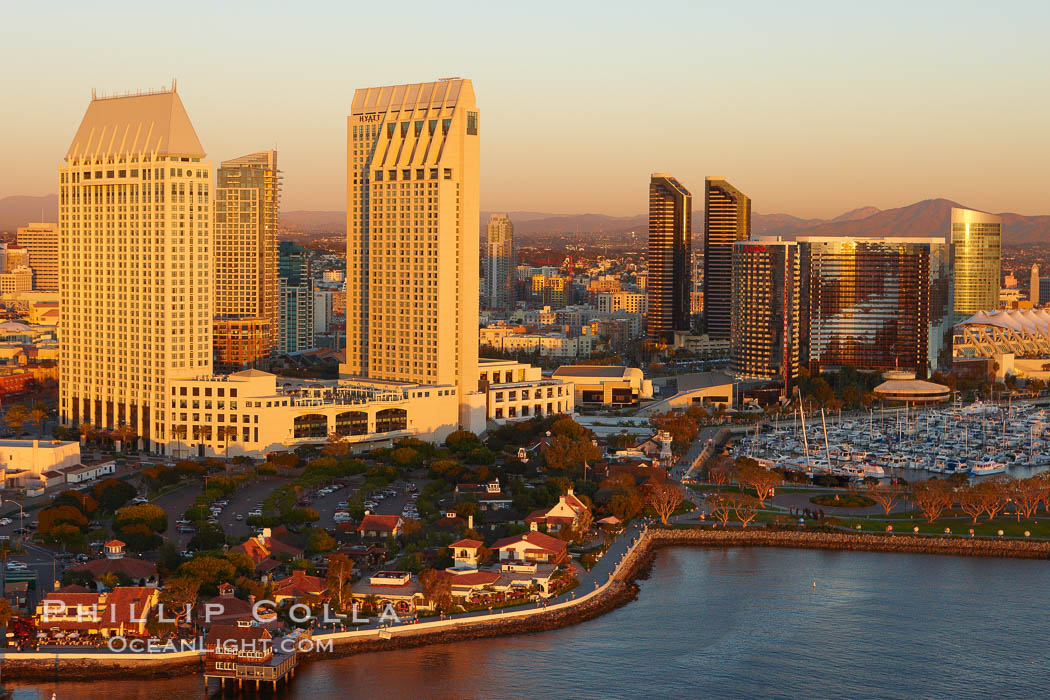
(413, 187)
(38, 456)
(517, 391)
(323, 312)
(254, 412)
(632, 302)
(135, 252)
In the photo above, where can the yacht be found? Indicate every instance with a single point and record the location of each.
(986, 467)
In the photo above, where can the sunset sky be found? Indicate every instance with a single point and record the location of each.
(811, 108)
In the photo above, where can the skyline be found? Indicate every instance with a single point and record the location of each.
(772, 114)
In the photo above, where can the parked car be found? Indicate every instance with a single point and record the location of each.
(240, 516)
(255, 513)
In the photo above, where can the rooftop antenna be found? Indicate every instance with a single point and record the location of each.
(174, 84)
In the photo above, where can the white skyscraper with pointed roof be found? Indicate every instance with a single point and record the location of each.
(135, 251)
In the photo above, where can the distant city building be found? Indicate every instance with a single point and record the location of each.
(247, 200)
(333, 275)
(413, 191)
(727, 219)
(40, 242)
(875, 303)
(500, 263)
(670, 245)
(16, 257)
(764, 342)
(295, 307)
(1033, 289)
(632, 302)
(18, 279)
(323, 313)
(134, 323)
(977, 240)
(1044, 291)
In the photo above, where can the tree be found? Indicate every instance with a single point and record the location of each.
(5, 613)
(885, 494)
(569, 454)
(320, 541)
(51, 517)
(113, 493)
(745, 508)
(720, 506)
(625, 504)
(719, 470)
(932, 497)
(153, 517)
(87, 431)
(682, 427)
(970, 501)
(16, 418)
(762, 480)
(177, 595)
(994, 494)
(335, 446)
(337, 582)
(664, 499)
(437, 589)
(37, 415)
(209, 571)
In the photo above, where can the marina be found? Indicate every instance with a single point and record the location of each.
(977, 440)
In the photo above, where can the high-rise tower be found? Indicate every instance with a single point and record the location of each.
(40, 240)
(135, 256)
(977, 240)
(1033, 287)
(727, 219)
(764, 342)
(500, 262)
(247, 195)
(670, 244)
(412, 283)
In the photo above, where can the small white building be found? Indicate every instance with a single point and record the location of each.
(517, 391)
(34, 457)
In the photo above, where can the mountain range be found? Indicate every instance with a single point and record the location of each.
(929, 217)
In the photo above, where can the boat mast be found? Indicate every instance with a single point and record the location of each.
(827, 447)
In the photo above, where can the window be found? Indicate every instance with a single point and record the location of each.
(446, 124)
(419, 128)
(390, 130)
(404, 129)
(432, 126)
(448, 173)
(472, 123)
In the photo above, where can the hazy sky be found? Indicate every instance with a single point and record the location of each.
(812, 108)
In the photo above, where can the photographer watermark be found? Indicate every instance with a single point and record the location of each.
(262, 614)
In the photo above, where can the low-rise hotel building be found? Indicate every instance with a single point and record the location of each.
(516, 390)
(251, 413)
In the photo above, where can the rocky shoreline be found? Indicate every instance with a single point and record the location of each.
(619, 591)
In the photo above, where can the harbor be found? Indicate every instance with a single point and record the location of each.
(977, 440)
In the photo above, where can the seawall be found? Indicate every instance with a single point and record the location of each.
(618, 590)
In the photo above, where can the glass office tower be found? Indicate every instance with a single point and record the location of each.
(875, 303)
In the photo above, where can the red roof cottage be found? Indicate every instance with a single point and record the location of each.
(381, 526)
(568, 512)
(531, 548)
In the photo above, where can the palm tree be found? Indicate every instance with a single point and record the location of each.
(37, 415)
(87, 431)
(16, 417)
(124, 433)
